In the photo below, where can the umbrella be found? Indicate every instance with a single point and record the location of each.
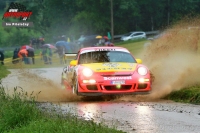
(27, 47)
(49, 46)
(63, 44)
(98, 37)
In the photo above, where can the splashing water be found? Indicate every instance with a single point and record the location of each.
(173, 59)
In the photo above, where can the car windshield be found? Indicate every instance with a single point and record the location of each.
(105, 56)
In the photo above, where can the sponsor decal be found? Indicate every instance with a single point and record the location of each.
(117, 78)
(69, 69)
(111, 64)
(131, 65)
(106, 49)
(114, 68)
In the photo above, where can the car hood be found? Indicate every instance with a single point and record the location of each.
(111, 67)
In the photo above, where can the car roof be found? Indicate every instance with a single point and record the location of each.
(137, 32)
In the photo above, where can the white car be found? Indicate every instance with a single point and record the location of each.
(133, 36)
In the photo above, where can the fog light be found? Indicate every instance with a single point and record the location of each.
(91, 81)
(118, 86)
(142, 80)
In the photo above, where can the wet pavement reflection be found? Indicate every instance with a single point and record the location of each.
(137, 117)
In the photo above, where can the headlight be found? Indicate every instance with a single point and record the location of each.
(142, 71)
(87, 72)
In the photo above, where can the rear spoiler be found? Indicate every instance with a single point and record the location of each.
(70, 54)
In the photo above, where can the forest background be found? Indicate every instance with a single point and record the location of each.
(73, 18)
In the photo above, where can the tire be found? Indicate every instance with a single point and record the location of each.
(75, 86)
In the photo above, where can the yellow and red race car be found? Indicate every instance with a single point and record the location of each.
(104, 70)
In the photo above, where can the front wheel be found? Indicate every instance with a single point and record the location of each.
(75, 87)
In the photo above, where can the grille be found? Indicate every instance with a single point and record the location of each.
(91, 87)
(115, 88)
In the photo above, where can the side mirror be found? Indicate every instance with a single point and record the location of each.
(139, 61)
(73, 63)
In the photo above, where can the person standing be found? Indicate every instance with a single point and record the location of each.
(1, 57)
(49, 55)
(44, 55)
(61, 52)
(15, 58)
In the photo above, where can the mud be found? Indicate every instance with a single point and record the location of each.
(43, 84)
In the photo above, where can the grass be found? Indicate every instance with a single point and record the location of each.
(186, 95)
(134, 46)
(19, 113)
(3, 71)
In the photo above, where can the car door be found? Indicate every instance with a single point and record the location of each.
(138, 35)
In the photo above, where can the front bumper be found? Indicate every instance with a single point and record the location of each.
(99, 89)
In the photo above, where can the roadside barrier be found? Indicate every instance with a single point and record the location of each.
(55, 59)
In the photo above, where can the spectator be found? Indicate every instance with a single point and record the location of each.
(61, 52)
(1, 57)
(15, 58)
(49, 55)
(44, 55)
(108, 43)
(23, 54)
(31, 56)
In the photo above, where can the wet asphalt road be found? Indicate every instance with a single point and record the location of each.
(139, 117)
(132, 117)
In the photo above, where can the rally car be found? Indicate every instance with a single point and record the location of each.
(98, 71)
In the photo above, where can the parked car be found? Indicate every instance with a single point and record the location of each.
(133, 36)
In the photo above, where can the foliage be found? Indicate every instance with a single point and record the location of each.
(76, 17)
(19, 113)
